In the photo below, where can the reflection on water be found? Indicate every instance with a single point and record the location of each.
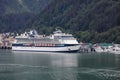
(58, 66)
(64, 60)
(52, 65)
(47, 59)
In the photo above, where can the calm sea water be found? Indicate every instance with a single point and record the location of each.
(58, 66)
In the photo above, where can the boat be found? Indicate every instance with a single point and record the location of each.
(115, 49)
(107, 48)
(56, 42)
(102, 47)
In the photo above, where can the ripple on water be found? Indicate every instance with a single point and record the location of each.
(102, 74)
(18, 68)
(107, 74)
(60, 73)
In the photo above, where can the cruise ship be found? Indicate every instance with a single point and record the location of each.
(56, 42)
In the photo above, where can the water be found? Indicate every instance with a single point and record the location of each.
(58, 66)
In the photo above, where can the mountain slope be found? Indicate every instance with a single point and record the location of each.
(93, 16)
(14, 14)
(12, 6)
(81, 15)
(36, 6)
(14, 22)
(20, 6)
(88, 20)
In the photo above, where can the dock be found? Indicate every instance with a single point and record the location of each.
(5, 47)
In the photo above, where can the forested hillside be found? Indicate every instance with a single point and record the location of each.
(89, 20)
(14, 14)
(21, 6)
(14, 22)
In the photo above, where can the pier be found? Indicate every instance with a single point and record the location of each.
(5, 47)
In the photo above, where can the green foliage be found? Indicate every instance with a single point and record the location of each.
(79, 15)
(21, 6)
(111, 35)
(89, 20)
(14, 14)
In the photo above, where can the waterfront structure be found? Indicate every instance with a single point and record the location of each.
(5, 41)
(56, 42)
(0, 39)
(107, 48)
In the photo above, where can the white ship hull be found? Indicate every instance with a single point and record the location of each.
(47, 49)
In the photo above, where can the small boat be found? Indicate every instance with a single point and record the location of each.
(115, 49)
